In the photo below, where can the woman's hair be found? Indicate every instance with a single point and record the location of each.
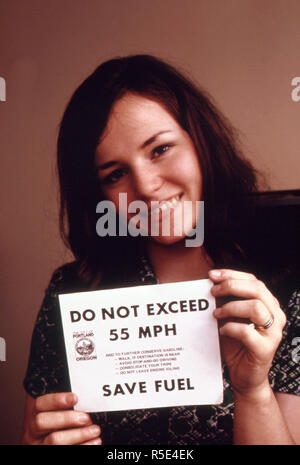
(227, 176)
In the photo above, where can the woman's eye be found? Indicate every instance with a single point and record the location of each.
(160, 150)
(114, 176)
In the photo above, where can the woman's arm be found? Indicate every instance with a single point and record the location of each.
(289, 405)
(260, 417)
(50, 420)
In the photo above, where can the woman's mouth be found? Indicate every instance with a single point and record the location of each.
(164, 205)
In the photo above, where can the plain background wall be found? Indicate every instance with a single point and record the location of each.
(244, 52)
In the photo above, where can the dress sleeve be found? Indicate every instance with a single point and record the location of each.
(285, 372)
(47, 370)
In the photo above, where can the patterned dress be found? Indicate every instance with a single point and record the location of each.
(47, 372)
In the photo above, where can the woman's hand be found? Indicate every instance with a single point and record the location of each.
(50, 420)
(247, 350)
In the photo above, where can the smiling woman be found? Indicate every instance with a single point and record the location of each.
(139, 131)
(90, 119)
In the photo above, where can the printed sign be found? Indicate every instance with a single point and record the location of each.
(143, 347)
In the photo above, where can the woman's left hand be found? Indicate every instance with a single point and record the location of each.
(247, 349)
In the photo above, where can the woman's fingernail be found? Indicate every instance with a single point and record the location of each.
(97, 442)
(217, 312)
(95, 429)
(69, 398)
(215, 273)
(83, 418)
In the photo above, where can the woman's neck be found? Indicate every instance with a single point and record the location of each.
(174, 263)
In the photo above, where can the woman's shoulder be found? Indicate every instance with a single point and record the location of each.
(47, 366)
(66, 278)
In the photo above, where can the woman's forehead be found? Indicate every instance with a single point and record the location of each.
(136, 109)
(136, 118)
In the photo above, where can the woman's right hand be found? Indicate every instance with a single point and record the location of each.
(49, 419)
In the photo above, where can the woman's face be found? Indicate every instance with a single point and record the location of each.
(146, 154)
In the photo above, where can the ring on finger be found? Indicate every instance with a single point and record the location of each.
(267, 325)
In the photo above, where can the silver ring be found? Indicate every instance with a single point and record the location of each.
(267, 325)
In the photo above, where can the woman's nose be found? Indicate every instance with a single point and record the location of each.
(147, 182)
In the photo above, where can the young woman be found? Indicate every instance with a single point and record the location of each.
(138, 127)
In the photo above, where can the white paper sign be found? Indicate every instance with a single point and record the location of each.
(143, 347)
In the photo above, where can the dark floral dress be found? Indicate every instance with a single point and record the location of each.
(209, 424)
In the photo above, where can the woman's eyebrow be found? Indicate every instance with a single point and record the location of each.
(152, 138)
(106, 165)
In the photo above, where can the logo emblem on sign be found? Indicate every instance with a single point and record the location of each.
(84, 345)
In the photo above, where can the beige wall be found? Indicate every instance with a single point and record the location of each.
(244, 52)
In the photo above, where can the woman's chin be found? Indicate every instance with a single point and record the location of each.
(167, 240)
